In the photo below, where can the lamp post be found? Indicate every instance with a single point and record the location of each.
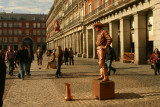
(132, 30)
(149, 26)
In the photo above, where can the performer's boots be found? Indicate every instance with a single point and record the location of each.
(101, 75)
(106, 77)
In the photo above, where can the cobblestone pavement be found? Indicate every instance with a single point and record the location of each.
(135, 86)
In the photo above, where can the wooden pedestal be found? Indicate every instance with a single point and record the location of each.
(103, 90)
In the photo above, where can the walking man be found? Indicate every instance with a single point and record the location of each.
(2, 78)
(30, 59)
(110, 57)
(22, 57)
(103, 41)
(10, 59)
(39, 55)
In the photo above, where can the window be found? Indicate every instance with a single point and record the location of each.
(0, 32)
(15, 32)
(10, 32)
(0, 40)
(38, 39)
(10, 39)
(15, 24)
(27, 32)
(39, 32)
(43, 39)
(27, 25)
(5, 39)
(0, 24)
(34, 32)
(15, 39)
(20, 24)
(5, 24)
(10, 25)
(34, 25)
(38, 25)
(89, 8)
(43, 32)
(96, 4)
(5, 32)
(20, 32)
(43, 25)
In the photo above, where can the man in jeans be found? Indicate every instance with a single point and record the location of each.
(110, 57)
(10, 59)
(29, 60)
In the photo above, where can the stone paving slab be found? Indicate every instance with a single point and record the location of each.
(135, 86)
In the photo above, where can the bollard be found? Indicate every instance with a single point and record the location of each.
(68, 92)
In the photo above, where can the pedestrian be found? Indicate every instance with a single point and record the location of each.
(155, 57)
(30, 59)
(59, 56)
(22, 58)
(110, 57)
(2, 76)
(103, 41)
(66, 55)
(10, 60)
(39, 54)
(71, 56)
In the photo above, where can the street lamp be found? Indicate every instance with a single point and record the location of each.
(132, 30)
(149, 26)
(118, 32)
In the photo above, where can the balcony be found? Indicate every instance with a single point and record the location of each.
(70, 7)
(105, 8)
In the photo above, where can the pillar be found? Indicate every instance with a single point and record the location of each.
(113, 29)
(156, 25)
(125, 36)
(140, 38)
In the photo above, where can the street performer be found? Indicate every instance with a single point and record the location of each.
(103, 40)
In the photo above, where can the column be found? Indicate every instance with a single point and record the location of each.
(113, 29)
(94, 44)
(84, 44)
(125, 38)
(64, 43)
(140, 38)
(156, 25)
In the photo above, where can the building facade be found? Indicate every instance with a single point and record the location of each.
(17, 29)
(132, 24)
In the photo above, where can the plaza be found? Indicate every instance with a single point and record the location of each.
(135, 86)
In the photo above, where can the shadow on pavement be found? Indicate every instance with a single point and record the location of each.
(127, 96)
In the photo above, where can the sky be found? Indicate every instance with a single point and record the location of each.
(26, 6)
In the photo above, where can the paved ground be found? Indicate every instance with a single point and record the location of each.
(135, 86)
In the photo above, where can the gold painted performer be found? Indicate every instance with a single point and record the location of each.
(103, 40)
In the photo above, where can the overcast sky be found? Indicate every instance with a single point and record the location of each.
(26, 6)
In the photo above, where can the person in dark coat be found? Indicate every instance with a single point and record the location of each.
(30, 59)
(155, 57)
(2, 77)
(110, 57)
(39, 54)
(22, 58)
(71, 56)
(66, 55)
(59, 56)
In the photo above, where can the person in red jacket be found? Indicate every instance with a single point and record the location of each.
(155, 57)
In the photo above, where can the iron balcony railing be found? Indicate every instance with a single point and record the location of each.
(71, 6)
(105, 7)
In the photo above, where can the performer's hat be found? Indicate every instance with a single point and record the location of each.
(98, 25)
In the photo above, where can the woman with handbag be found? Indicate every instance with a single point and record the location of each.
(155, 57)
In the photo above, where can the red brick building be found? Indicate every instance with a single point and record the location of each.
(17, 29)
